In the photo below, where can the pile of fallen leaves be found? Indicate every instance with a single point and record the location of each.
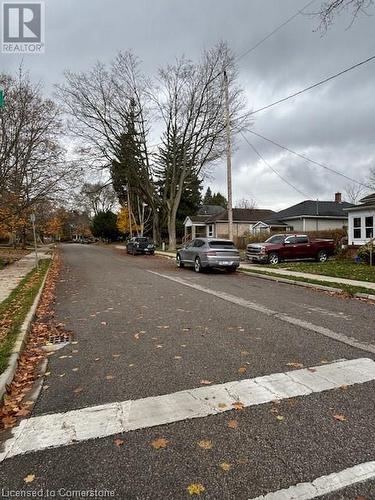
(15, 404)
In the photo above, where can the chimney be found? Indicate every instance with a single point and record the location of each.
(338, 198)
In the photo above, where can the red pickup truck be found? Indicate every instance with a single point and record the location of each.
(290, 247)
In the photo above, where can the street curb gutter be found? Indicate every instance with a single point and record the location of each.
(286, 280)
(292, 282)
(7, 376)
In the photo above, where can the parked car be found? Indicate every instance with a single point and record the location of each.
(290, 247)
(140, 244)
(203, 253)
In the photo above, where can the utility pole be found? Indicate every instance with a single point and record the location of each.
(129, 212)
(229, 156)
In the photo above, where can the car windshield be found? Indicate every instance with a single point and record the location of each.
(141, 239)
(221, 244)
(276, 239)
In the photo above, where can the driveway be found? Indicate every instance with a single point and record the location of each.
(142, 329)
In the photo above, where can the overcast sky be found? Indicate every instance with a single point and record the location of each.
(334, 124)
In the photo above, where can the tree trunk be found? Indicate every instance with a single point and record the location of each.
(156, 227)
(172, 230)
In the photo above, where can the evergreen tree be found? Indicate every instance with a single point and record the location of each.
(220, 200)
(207, 200)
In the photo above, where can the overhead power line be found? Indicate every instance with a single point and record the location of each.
(306, 158)
(273, 169)
(313, 86)
(275, 30)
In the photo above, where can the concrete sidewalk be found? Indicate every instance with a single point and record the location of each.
(12, 274)
(310, 276)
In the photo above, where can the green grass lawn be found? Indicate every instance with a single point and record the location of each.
(14, 309)
(349, 289)
(335, 268)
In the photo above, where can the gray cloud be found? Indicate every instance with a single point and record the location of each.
(334, 124)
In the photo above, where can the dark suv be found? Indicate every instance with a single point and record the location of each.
(140, 244)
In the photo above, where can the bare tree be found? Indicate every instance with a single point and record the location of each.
(372, 177)
(103, 105)
(98, 197)
(354, 192)
(32, 160)
(190, 101)
(246, 203)
(329, 9)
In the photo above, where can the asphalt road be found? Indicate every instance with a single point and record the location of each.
(138, 334)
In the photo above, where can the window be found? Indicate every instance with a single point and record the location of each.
(198, 243)
(369, 224)
(302, 239)
(291, 240)
(210, 230)
(221, 244)
(357, 233)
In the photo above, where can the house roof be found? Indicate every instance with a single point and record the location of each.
(243, 215)
(366, 202)
(314, 208)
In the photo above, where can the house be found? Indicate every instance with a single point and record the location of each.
(210, 222)
(316, 215)
(309, 215)
(361, 220)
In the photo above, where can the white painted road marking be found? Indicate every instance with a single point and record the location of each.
(306, 325)
(325, 484)
(62, 429)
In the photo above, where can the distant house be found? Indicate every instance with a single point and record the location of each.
(210, 222)
(316, 215)
(361, 221)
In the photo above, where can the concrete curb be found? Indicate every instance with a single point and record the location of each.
(7, 376)
(168, 255)
(365, 296)
(291, 282)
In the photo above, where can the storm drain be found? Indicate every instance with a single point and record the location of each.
(58, 340)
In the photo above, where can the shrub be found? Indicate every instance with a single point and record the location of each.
(365, 251)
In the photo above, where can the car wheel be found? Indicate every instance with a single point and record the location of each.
(322, 256)
(179, 261)
(197, 265)
(273, 258)
(231, 269)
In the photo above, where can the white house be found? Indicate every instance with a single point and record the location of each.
(361, 221)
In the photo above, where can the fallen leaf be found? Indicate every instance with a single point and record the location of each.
(245, 353)
(238, 405)
(196, 489)
(159, 443)
(8, 422)
(136, 336)
(340, 418)
(78, 390)
(109, 377)
(159, 346)
(103, 322)
(225, 466)
(205, 444)
(295, 365)
(312, 370)
(23, 412)
(29, 478)
(118, 442)
(344, 386)
(222, 405)
(280, 417)
(75, 369)
(115, 355)
(206, 382)
(62, 375)
(232, 424)
(96, 359)
(178, 357)
(47, 374)
(243, 369)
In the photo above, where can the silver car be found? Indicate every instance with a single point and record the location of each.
(203, 253)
